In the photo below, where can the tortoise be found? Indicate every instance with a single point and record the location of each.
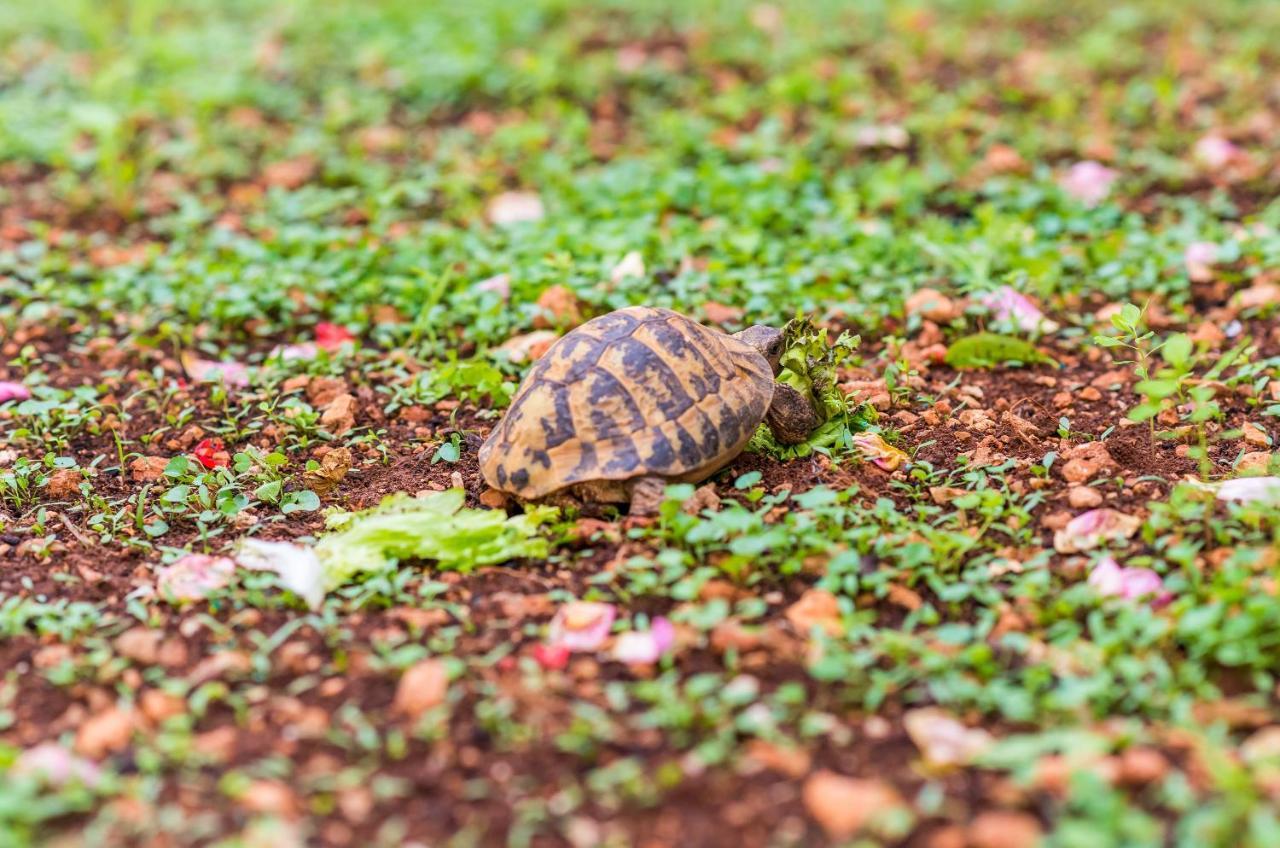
(636, 399)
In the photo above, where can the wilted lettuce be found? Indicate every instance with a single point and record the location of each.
(810, 366)
(989, 350)
(433, 527)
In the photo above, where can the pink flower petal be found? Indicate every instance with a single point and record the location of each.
(1089, 182)
(194, 577)
(582, 625)
(1214, 151)
(13, 391)
(57, 766)
(943, 740)
(1016, 310)
(1199, 258)
(664, 633)
(645, 646)
(632, 265)
(209, 371)
(499, 285)
(1109, 579)
(296, 352)
(515, 207)
(879, 452)
(1093, 528)
(1260, 490)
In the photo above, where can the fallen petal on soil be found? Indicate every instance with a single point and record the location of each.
(581, 625)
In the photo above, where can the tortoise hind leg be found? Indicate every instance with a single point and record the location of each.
(593, 498)
(647, 494)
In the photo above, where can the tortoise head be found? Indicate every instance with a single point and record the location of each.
(767, 340)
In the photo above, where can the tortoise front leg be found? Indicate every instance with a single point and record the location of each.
(791, 415)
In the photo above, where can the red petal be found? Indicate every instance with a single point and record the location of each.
(552, 657)
(332, 336)
(211, 454)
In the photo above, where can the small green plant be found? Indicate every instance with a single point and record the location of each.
(1136, 337)
(20, 484)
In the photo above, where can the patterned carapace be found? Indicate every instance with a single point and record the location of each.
(638, 392)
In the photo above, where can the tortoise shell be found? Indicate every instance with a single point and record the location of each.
(636, 392)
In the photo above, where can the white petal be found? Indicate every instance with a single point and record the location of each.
(299, 569)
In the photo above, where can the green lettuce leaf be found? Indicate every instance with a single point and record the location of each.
(990, 350)
(433, 527)
(811, 366)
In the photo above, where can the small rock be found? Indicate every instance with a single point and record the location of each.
(845, 805)
(931, 305)
(1264, 744)
(321, 391)
(148, 469)
(340, 415)
(422, 687)
(173, 653)
(52, 656)
(1004, 829)
(1258, 295)
(944, 741)
(140, 644)
(270, 796)
(943, 495)
(732, 635)
(1052, 774)
(1209, 334)
(223, 663)
(903, 596)
(718, 313)
(356, 803)
(218, 744)
(1003, 159)
(1080, 470)
(65, 483)
(560, 308)
(1094, 452)
(816, 607)
(157, 706)
(947, 836)
(1255, 435)
(290, 173)
(529, 347)
(1083, 497)
(415, 414)
(105, 733)
(1140, 766)
(704, 498)
(1254, 462)
(792, 762)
